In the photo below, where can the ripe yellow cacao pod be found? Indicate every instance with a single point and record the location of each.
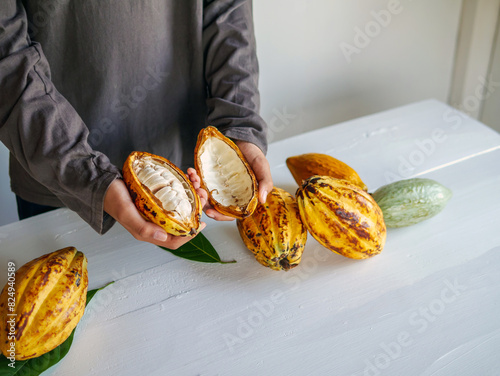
(342, 217)
(225, 174)
(162, 193)
(274, 232)
(45, 301)
(306, 165)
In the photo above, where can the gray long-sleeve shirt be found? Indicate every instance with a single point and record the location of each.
(84, 83)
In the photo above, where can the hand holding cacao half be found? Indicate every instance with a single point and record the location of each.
(260, 166)
(225, 174)
(224, 184)
(162, 193)
(208, 209)
(118, 203)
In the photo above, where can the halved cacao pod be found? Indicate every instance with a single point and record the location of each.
(274, 232)
(407, 202)
(50, 294)
(225, 174)
(342, 217)
(162, 193)
(306, 165)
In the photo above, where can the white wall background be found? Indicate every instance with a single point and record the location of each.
(305, 73)
(306, 80)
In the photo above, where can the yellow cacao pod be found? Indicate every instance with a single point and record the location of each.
(225, 174)
(162, 193)
(342, 217)
(43, 303)
(274, 232)
(306, 165)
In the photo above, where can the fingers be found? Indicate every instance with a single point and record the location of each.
(207, 208)
(193, 176)
(149, 232)
(119, 205)
(263, 174)
(214, 214)
(174, 242)
(260, 166)
(195, 179)
(203, 196)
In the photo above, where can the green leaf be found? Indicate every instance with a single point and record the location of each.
(198, 249)
(91, 293)
(35, 366)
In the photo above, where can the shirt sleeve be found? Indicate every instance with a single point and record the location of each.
(42, 130)
(231, 71)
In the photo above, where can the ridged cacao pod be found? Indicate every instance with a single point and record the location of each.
(407, 202)
(50, 295)
(342, 217)
(274, 232)
(225, 174)
(162, 193)
(304, 166)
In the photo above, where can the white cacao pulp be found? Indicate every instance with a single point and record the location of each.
(225, 175)
(166, 186)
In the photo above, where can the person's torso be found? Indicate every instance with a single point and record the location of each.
(132, 69)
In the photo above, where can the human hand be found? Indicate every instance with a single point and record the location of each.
(260, 166)
(119, 205)
(207, 208)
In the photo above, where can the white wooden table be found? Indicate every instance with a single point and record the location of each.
(429, 304)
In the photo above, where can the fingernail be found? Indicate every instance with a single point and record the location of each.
(210, 215)
(160, 236)
(264, 196)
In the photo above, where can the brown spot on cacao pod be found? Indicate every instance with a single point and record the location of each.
(274, 232)
(352, 221)
(225, 174)
(151, 180)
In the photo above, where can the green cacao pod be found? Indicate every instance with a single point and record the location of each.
(407, 202)
(45, 302)
(274, 232)
(342, 217)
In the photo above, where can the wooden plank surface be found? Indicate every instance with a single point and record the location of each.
(411, 310)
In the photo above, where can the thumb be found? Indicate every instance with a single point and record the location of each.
(262, 172)
(144, 230)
